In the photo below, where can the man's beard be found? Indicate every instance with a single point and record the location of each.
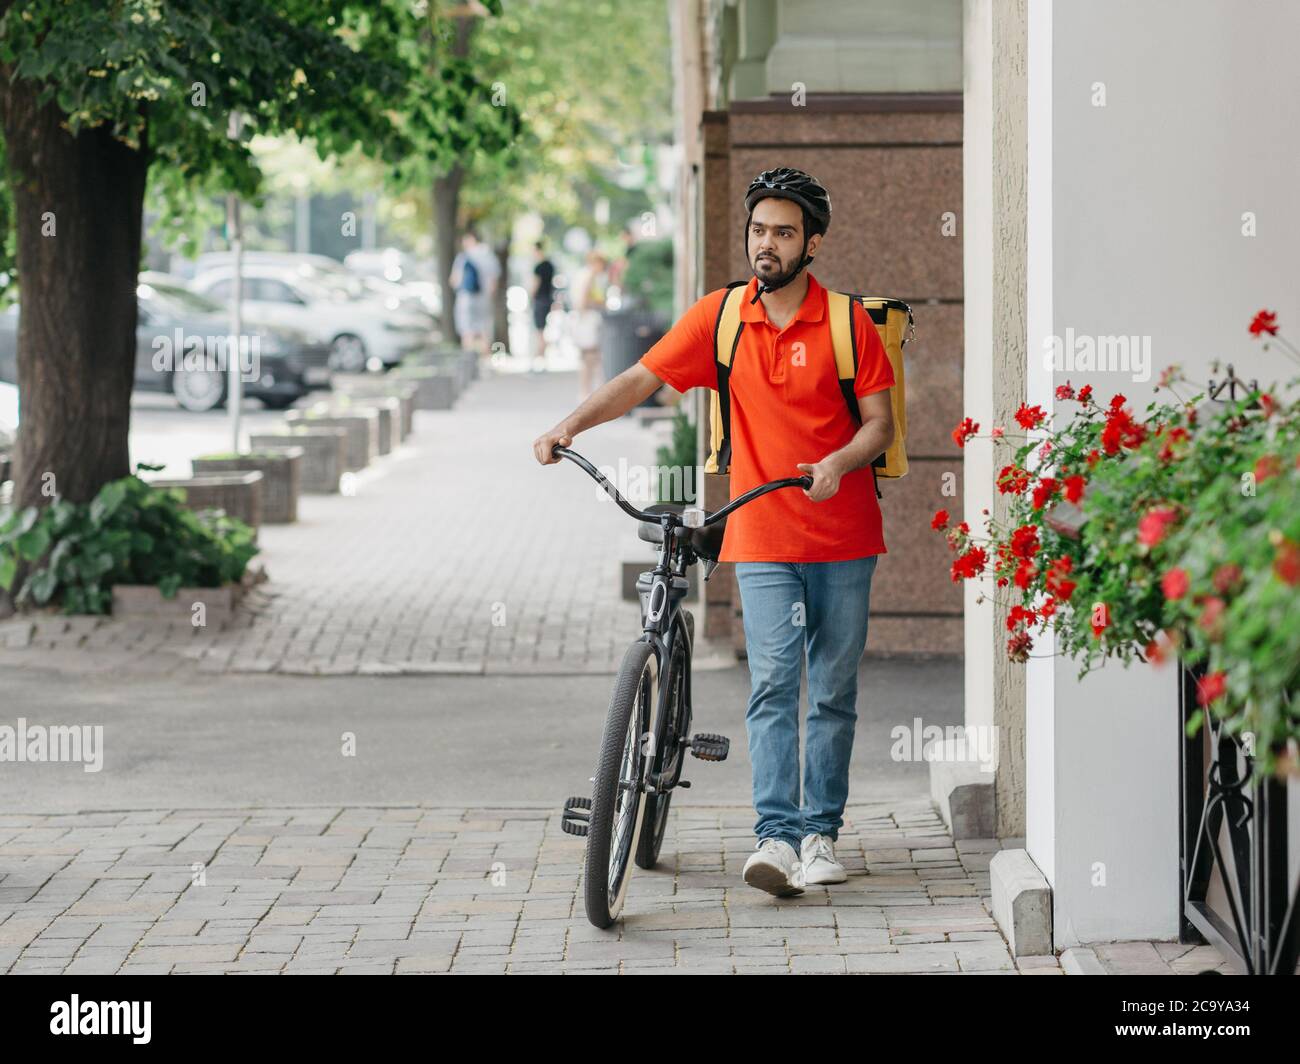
(774, 278)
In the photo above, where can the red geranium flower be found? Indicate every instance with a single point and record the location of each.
(1211, 612)
(1154, 524)
(1024, 541)
(1226, 577)
(1074, 488)
(1210, 687)
(1065, 391)
(1085, 393)
(964, 432)
(1020, 615)
(1117, 400)
(1100, 619)
(1012, 480)
(1264, 322)
(1178, 434)
(1121, 429)
(940, 519)
(1043, 491)
(1094, 456)
(1268, 465)
(1056, 580)
(1025, 572)
(1286, 563)
(1174, 583)
(1030, 417)
(970, 564)
(1019, 646)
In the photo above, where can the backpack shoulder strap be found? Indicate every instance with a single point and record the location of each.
(843, 310)
(726, 338)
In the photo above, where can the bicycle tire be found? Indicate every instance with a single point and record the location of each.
(667, 745)
(607, 869)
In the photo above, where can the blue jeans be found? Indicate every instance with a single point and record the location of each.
(791, 608)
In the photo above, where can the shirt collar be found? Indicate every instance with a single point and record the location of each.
(811, 309)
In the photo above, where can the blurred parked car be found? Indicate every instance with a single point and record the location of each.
(363, 333)
(366, 285)
(395, 266)
(290, 363)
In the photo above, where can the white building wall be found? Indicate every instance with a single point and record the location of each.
(1143, 232)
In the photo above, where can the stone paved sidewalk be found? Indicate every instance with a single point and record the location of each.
(490, 890)
(458, 553)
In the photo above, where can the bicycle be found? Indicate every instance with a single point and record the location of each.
(644, 743)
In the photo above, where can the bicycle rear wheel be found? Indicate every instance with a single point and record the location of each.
(617, 799)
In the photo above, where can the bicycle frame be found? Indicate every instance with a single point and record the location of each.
(663, 625)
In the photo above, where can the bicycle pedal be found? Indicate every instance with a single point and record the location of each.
(576, 819)
(709, 747)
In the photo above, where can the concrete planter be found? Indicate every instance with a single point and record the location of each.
(363, 386)
(143, 602)
(390, 416)
(362, 428)
(436, 389)
(324, 455)
(238, 494)
(281, 479)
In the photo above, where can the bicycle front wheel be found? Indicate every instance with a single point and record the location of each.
(617, 798)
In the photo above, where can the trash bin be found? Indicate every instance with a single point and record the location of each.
(625, 336)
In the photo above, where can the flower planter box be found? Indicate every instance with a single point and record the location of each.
(144, 602)
(362, 428)
(363, 386)
(436, 389)
(281, 479)
(324, 455)
(390, 416)
(238, 494)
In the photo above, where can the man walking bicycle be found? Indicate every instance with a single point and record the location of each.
(804, 561)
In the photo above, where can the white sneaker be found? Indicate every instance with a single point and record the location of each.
(818, 860)
(775, 869)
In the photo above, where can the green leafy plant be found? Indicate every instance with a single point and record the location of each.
(1139, 538)
(648, 280)
(130, 533)
(680, 455)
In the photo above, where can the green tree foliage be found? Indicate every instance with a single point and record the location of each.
(166, 76)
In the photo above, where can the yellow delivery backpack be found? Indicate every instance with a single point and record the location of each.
(893, 321)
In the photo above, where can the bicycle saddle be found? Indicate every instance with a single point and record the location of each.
(706, 542)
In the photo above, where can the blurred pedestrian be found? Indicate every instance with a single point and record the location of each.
(543, 292)
(589, 290)
(474, 275)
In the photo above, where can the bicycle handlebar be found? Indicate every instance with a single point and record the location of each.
(804, 482)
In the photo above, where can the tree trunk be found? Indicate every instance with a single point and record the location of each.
(446, 195)
(500, 309)
(78, 206)
(446, 204)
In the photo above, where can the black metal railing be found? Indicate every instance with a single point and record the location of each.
(1236, 886)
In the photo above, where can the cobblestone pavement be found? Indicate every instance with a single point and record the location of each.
(410, 889)
(457, 553)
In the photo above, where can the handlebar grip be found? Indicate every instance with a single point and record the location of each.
(805, 482)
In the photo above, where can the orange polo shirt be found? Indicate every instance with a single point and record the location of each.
(786, 408)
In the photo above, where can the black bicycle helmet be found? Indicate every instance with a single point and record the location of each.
(795, 185)
(787, 183)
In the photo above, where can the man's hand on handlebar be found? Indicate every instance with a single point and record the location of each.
(545, 444)
(826, 479)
